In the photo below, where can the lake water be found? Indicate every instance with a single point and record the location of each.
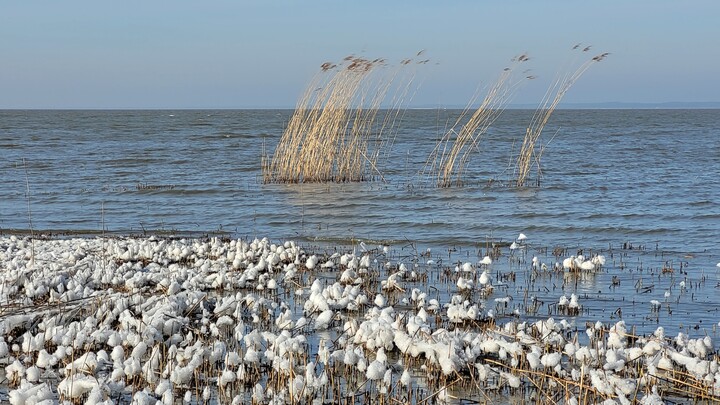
(649, 179)
(610, 176)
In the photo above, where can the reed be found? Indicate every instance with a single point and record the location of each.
(449, 159)
(238, 338)
(337, 132)
(529, 155)
(29, 213)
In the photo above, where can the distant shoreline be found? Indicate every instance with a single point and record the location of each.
(672, 105)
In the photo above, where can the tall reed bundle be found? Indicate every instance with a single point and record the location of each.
(336, 132)
(528, 156)
(449, 159)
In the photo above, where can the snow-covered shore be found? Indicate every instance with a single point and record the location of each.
(142, 320)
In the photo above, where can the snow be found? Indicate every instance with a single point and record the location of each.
(31, 394)
(76, 385)
(323, 320)
(160, 318)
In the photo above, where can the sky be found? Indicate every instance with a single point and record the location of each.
(263, 54)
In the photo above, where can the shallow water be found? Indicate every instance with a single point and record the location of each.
(142, 286)
(649, 178)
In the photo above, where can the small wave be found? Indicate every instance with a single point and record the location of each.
(124, 162)
(338, 241)
(535, 215)
(171, 190)
(701, 203)
(221, 136)
(606, 216)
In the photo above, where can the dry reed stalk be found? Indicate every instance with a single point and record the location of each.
(568, 383)
(449, 159)
(527, 155)
(354, 151)
(291, 138)
(29, 213)
(328, 137)
(317, 155)
(287, 163)
(395, 113)
(689, 385)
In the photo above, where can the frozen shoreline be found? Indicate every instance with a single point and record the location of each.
(149, 319)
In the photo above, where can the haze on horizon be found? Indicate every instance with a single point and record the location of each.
(256, 54)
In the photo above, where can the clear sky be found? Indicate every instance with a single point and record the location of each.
(245, 54)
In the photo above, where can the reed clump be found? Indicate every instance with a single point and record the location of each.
(338, 132)
(529, 155)
(448, 161)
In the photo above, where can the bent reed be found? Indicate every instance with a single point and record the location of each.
(344, 126)
(449, 159)
(337, 132)
(528, 156)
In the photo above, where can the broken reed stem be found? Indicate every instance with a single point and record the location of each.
(692, 388)
(562, 381)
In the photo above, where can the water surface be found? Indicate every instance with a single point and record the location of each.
(642, 178)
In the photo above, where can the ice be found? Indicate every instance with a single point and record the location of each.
(76, 385)
(33, 374)
(162, 318)
(31, 394)
(376, 370)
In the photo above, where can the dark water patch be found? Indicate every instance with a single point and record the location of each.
(201, 123)
(134, 161)
(702, 203)
(707, 216)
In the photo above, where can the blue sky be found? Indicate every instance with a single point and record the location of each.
(243, 54)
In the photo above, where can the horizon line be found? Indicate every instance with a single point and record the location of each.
(518, 106)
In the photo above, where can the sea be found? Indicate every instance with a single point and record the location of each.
(639, 186)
